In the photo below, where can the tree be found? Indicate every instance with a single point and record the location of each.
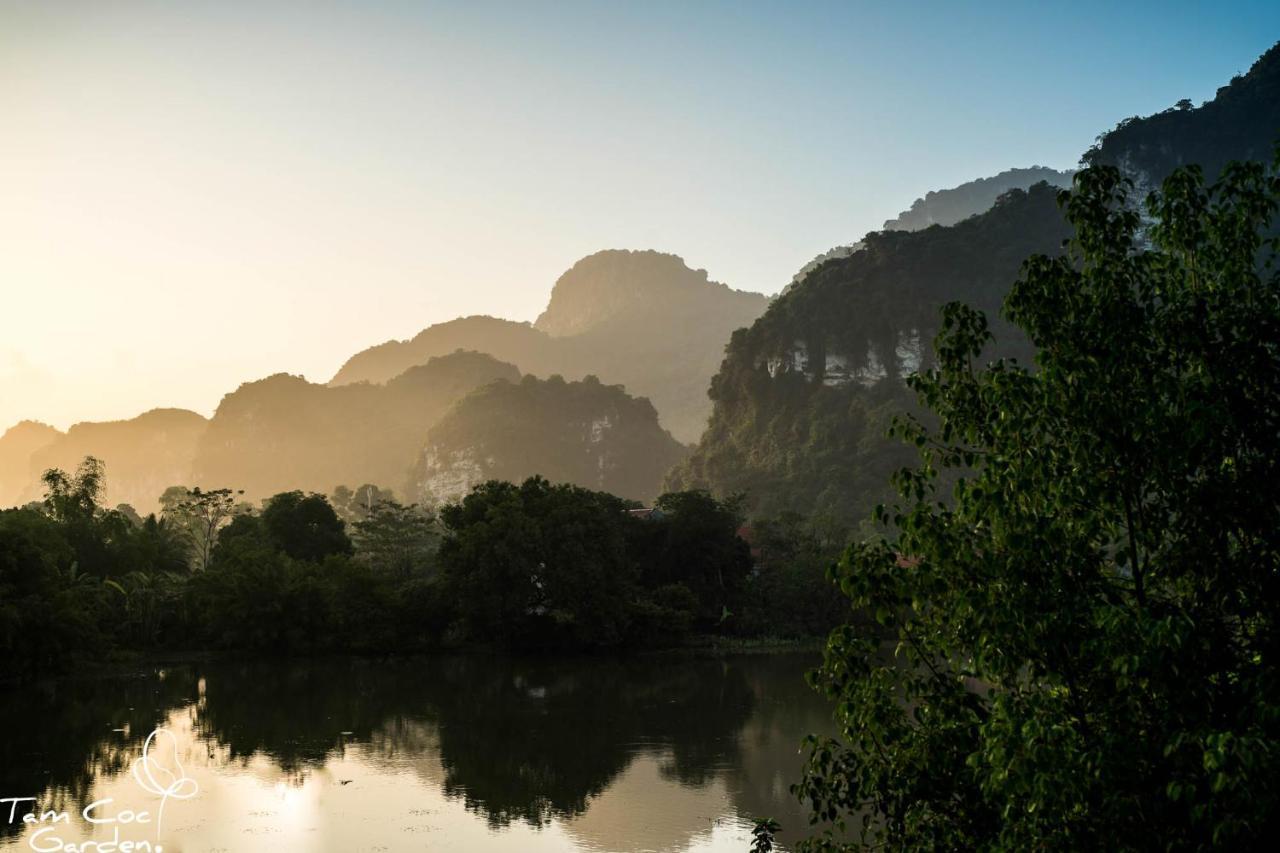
(356, 506)
(305, 526)
(397, 540)
(1084, 642)
(539, 563)
(790, 594)
(695, 543)
(200, 515)
(78, 497)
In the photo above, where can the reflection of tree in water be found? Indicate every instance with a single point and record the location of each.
(58, 736)
(516, 740)
(532, 740)
(772, 757)
(295, 713)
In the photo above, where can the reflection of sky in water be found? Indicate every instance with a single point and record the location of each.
(396, 787)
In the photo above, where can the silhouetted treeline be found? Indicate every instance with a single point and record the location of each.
(528, 566)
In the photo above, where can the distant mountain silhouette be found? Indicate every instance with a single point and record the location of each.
(799, 399)
(283, 432)
(506, 340)
(593, 435)
(17, 445)
(642, 319)
(949, 206)
(143, 455)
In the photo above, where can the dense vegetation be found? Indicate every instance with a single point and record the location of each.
(805, 395)
(1084, 641)
(524, 566)
(586, 433)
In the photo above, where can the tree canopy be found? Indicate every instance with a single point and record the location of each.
(1082, 643)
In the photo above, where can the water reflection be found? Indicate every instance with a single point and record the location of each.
(467, 752)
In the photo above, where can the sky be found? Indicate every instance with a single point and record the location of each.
(198, 194)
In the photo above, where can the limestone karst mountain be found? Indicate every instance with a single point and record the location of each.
(1241, 122)
(949, 206)
(593, 435)
(283, 432)
(143, 456)
(804, 396)
(641, 319)
(17, 445)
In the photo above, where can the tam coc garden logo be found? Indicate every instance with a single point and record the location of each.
(158, 771)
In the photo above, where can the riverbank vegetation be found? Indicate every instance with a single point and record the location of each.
(530, 566)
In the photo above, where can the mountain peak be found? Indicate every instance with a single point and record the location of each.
(613, 284)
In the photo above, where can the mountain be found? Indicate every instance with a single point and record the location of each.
(283, 432)
(949, 206)
(804, 396)
(610, 290)
(17, 445)
(505, 340)
(1241, 122)
(587, 433)
(643, 319)
(143, 455)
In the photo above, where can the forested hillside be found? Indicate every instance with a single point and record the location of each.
(283, 432)
(586, 433)
(1241, 122)
(949, 206)
(805, 395)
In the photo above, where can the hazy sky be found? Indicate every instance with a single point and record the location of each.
(196, 194)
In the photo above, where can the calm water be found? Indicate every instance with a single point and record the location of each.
(468, 753)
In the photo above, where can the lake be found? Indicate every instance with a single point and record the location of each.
(469, 753)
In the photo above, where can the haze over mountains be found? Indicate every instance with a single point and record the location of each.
(594, 435)
(640, 319)
(787, 399)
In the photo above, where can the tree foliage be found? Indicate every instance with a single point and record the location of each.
(1083, 643)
